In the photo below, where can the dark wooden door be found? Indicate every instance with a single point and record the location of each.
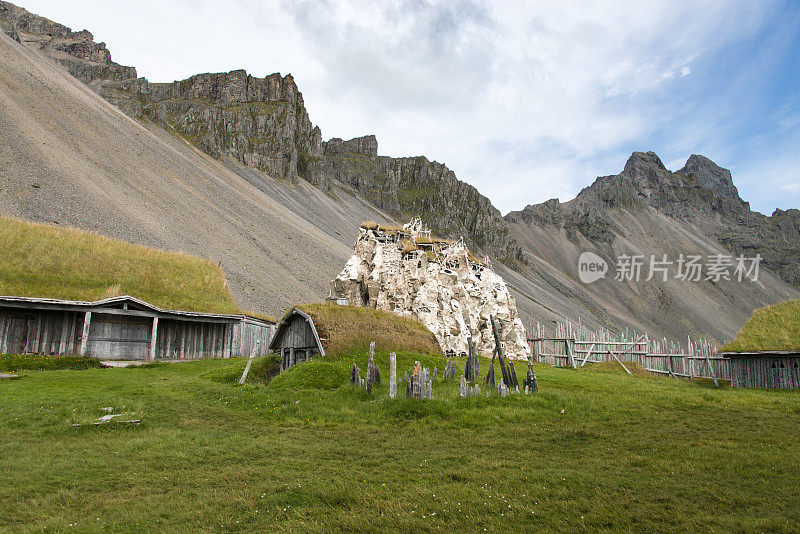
(17, 335)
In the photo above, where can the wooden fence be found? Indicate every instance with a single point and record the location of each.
(574, 346)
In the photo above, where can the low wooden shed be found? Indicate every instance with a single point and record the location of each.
(296, 339)
(764, 369)
(126, 328)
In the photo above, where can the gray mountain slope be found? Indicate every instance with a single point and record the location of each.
(644, 210)
(70, 157)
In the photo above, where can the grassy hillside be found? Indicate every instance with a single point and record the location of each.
(38, 260)
(771, 328)
(594, 451)
(345, 327)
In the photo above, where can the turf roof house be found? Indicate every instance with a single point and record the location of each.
(126, 328)
(766, 353)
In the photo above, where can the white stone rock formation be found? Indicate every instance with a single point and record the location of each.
(439, 282)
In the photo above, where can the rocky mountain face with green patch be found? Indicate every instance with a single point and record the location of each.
(263, 123)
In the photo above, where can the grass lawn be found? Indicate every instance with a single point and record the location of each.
(596, 449)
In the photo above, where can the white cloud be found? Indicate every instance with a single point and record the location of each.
(525, 101)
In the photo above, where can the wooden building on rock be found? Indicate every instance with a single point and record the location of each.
(126, 328)
(296, 339)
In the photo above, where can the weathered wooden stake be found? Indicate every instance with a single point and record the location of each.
(620, 362)
(588, 353)
(531, 385)
(373, 374)
(153, 338)
(503, 390)
(569, 353)
(249, 362)
(489, 378)
(355, 375)
(87, 321)
(509, 376)
(392, 375)
(711, 370)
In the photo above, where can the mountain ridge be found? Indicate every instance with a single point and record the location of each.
(701, 192)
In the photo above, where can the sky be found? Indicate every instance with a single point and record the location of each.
(525, 101)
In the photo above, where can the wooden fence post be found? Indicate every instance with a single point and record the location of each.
(620, 362)
(153, 338)
(570, 359)
(711, 369)
(588, 353)
(87, 321)
(392, 375)
(249, 361)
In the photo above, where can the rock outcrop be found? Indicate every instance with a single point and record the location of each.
(405, 271)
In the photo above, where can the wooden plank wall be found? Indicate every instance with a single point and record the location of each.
(766, 372)
(40, 332)
(245, 334)
(297, 343)
(113, 336)
(298, 335)
(189, 340)
(119, 337)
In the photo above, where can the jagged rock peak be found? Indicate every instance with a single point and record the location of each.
(710, 175)
(643, 160)
(21, 20)
(367, 144)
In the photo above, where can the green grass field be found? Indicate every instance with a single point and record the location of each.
(596, 449)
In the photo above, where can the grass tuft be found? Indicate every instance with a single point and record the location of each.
(25, 362)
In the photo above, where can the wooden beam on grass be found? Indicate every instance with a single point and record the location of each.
(620, 362)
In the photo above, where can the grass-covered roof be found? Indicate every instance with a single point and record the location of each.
(345, 328)
(773, 328)
(42, 260)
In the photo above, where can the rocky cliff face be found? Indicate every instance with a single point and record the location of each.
(263, 123)
(76, 51)
(438, 282)
(408, 187)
